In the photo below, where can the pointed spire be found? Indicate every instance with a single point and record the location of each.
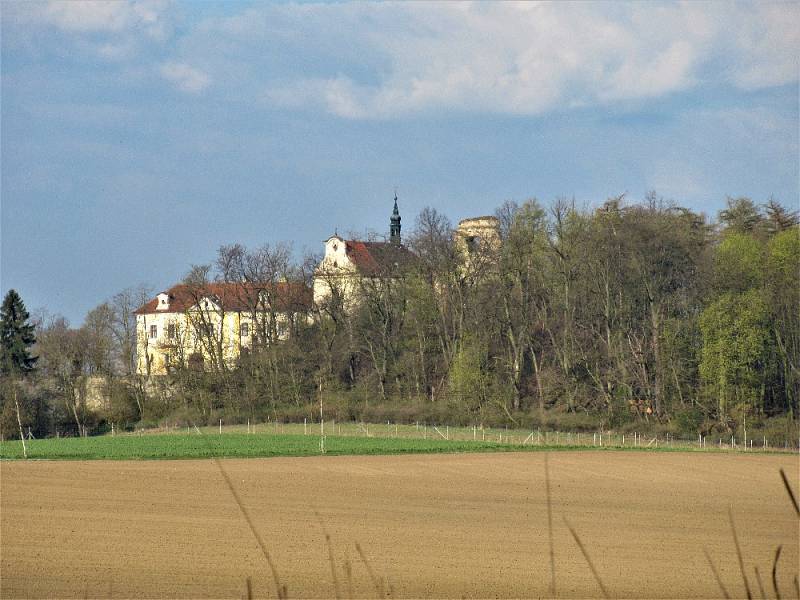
(394, 223)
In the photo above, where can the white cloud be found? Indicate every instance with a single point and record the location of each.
(389, 60)
(769, 46)
(184, 77)
(532, 58)
(107, 16)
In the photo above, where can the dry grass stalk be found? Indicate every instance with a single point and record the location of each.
(376, 581)
(760, 584)
(775, 572)
(280, 590)
(588, 559)
(336, 592)
(739, 556)
(790, 492)
(348, 569)
(331, 559)
(550, 526)
(722, 589)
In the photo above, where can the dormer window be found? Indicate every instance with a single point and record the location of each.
(162, 302)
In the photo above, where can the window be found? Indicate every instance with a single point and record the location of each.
(171, 331)
(153, 331)
(473, 243)
(244, 329)
(196, 361)
(282, 330)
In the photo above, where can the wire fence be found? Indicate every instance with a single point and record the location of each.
(501, 436)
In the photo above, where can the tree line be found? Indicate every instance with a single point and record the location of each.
(633, 315)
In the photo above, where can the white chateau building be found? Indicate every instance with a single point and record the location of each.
(209, 326)
(347, 263)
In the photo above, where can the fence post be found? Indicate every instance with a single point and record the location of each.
(220, 426)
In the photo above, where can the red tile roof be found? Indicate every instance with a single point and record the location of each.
(235, 297)
(379, 258)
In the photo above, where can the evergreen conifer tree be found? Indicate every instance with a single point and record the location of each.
(16, 336)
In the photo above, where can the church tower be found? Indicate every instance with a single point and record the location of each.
(394, 224)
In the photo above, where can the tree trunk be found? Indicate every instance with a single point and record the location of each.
(655, 321)
(19, 422)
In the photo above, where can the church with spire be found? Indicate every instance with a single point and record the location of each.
(348, 263)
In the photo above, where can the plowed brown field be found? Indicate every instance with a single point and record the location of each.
(471, 525)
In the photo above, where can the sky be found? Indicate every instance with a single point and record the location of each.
(137, 137)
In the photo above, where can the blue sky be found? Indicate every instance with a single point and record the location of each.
(139, 136)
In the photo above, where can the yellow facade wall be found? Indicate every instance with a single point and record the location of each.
(155, 354)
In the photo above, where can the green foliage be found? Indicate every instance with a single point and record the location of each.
(736, 339)
(741, 216)
(783, 260)
(779, 218)
(16, 336)
(469, 381)
(689, 421)
(738, 263)
(783, 267)
(632, 316)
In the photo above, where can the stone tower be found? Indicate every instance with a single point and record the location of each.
(394, 224)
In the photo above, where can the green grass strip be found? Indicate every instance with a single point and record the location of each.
(243, 445)
(230, 445)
